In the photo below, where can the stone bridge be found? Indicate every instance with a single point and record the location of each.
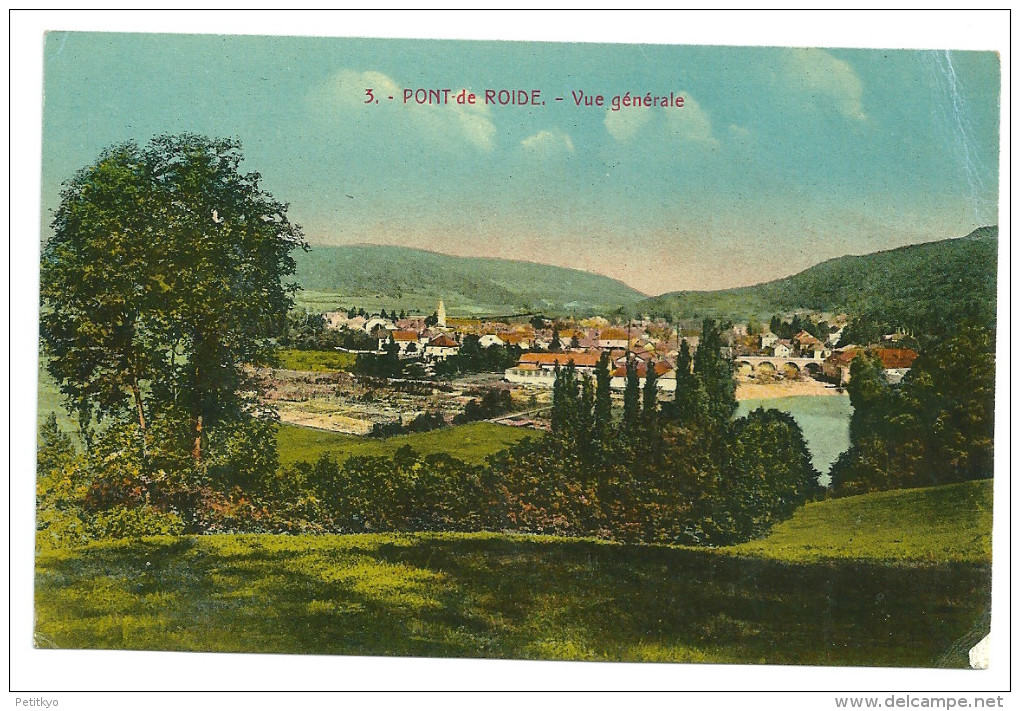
(774, 365)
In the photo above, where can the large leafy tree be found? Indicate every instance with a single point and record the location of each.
(935, 427)
(165, 276)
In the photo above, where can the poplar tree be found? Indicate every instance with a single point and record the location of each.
(715, 373)
(631, 397)
(603, 406)
(650, 397)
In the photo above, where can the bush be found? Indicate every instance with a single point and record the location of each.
(124, 522)
(492, 404)
(425, 422)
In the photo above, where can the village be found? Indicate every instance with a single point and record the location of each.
(433, 378)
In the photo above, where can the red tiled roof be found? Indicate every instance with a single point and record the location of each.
(404, 336)
(806, 339)
(896, 357)
(890, 357)
(661, 368)
(613, 334)
(843, 357)
(581, 360)
(443, 342)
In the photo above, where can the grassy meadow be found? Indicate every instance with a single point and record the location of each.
(939, 524)
(801, 596)
(471, 443)
(315, 361)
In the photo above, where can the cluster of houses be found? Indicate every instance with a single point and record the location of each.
(411, 336)
(652, 344)
(802, 345)
(539, 369)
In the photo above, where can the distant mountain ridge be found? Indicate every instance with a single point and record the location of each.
(414, 278)
(933, 285)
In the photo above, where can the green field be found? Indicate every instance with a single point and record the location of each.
(512, 596)
(315, 361)
(471, 443)
(943, 523)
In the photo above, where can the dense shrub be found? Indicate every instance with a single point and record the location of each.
(425, 422)
(492, 404)
(405, 492)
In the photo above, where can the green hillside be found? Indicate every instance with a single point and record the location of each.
(510, 596)
(933, 286)
(388, 277)
(941, 523)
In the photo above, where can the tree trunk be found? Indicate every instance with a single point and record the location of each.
(196, 449)
(136, 391)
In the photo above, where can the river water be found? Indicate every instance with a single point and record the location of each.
(824, 419)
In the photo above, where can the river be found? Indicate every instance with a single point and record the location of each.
(825, 420)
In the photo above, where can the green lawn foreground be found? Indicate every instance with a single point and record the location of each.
(512, 596)
(471, 443)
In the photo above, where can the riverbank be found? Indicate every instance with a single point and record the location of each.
(784, 388)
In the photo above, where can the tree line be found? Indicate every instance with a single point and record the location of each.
(934, 427)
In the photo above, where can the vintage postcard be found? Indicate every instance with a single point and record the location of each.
(517, 350)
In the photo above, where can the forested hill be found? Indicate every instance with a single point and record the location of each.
(932, 286)
(414, 278)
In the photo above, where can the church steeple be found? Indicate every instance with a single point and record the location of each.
(441, 315)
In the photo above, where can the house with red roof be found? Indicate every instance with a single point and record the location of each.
(404, 340)
(896, 362)
(614, 338)
(664, 372)
(441, 347)
(539, 369)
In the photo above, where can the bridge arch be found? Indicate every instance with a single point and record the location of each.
(791, 371)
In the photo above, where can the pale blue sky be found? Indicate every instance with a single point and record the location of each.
(781, 158)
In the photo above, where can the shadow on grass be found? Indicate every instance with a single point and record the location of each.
(505, 597)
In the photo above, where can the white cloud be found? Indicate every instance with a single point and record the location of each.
(475, 124)
(689, 123)
(348, 87)
(345, 92)
(625, 123)
(824, 78)
(546, 142)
